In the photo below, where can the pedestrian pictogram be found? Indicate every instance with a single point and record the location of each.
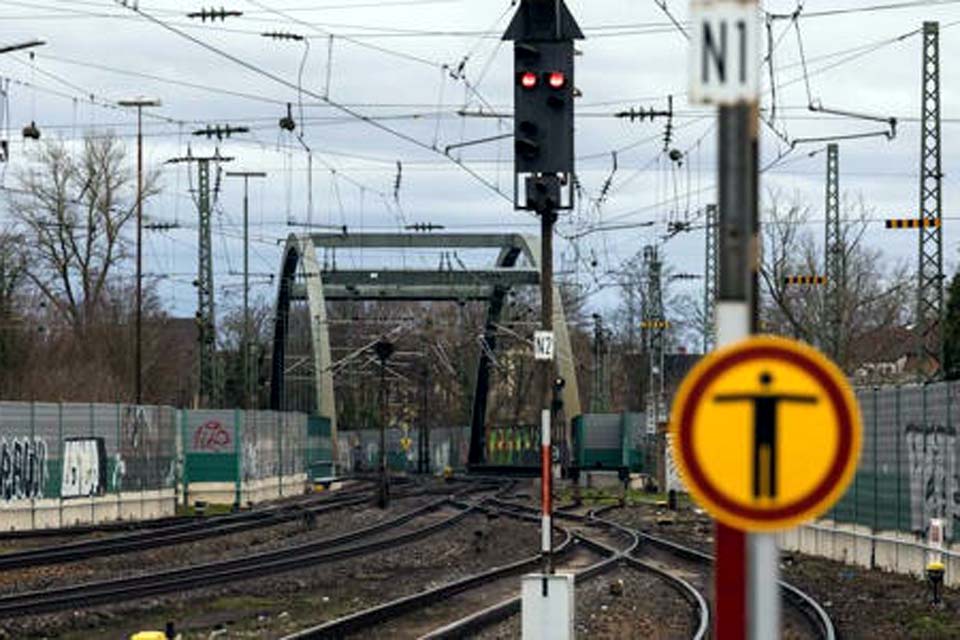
(766, 434)
(765, 406)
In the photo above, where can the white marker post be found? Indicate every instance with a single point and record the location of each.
(544, 344)
(725, 71)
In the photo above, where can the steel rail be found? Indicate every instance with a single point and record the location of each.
(479, 620)
(192, 530)
(226, 571)
(168, 536)
(368, 618)
(815, 615)
(156, 524)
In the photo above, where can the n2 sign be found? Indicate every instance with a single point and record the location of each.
(724, 52)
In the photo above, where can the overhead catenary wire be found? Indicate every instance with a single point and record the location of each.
(279, 80)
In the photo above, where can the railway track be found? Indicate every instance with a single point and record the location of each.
(492, 594)
(171, 522)
(195, 529)
(604, 545)
(172, 534)
(430, 519)
(695, 567)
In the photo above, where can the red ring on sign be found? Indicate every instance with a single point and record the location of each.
(837, 468)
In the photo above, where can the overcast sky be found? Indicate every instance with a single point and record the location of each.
(414, 64)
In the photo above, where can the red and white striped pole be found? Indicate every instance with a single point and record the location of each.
(546, 488)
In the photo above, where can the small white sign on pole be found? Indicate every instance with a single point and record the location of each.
(724, 52)
(544, 345)
(935, 539)
(548, 607)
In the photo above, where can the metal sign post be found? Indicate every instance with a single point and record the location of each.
(766, 431)
(724, 70)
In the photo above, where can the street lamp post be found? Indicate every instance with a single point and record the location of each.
(248, 377)
(139, 103)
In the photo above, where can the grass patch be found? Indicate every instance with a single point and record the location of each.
(593, 496)
(211, 510)
(934, 625)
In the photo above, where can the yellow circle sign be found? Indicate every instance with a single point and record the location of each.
(766, 434)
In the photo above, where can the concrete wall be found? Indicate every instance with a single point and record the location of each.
(251, 492)
(887, 551)
(51, 513)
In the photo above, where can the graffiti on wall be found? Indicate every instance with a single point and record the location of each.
(134, 466)
(23, 468)
(84, 468)
(212, 437)
(934, 476)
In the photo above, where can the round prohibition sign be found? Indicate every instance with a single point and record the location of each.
(766, 434)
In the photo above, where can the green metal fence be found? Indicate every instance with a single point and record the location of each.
(243, 448)
(908, 471)
(612, 441)
(62, 464)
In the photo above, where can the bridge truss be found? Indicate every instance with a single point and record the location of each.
(303, 368)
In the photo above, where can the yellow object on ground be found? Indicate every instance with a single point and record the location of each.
(149, 635)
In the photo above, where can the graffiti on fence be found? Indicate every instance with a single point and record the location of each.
(23, 468)
(934, 475)
(513, 445)
(212, 437)
(84, 468)
(134, 465)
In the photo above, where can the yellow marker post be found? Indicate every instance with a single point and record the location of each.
(766, 434)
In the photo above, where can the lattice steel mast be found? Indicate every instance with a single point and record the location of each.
(711, 279)
(930, 286)
(654, 325)
(836, 258)
(209, 383)
(599, 402)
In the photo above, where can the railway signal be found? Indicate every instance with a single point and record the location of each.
(543, 32)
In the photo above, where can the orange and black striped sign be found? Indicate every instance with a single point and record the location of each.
(910, 223)
(655, 324)
(805, 280)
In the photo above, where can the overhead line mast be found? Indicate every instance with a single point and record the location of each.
(930, 308)
(210, 387)
(836, 258)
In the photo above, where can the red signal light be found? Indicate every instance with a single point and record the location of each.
(528, 80)
(557, 80)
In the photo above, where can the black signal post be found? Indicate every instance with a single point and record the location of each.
(543, 32)
(384, 349)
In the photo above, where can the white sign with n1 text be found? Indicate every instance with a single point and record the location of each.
(544, 345)
(724, 52)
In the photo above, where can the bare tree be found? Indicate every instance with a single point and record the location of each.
(875, 296)
(689, 321)
(74, 208)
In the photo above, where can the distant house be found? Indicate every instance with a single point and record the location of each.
(676, 366)
(887, 355)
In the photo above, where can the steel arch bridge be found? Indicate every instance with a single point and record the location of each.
(302, 373)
